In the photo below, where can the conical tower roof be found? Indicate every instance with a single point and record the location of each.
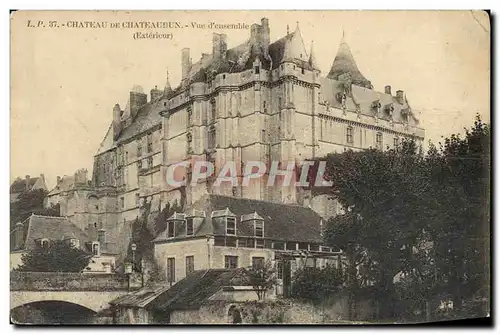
(344, 63)
(294, 46)
(312, 57)
(168, 89)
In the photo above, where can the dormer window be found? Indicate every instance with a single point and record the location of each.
(96, 249)
(258, 228)
(44, 243)
(101, 236)
(231, 225)
(257, 70)
(75, 243)
(189, 226)
(171, 229)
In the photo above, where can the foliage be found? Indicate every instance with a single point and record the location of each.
(261, 278)
(58, 256)
(424, 218)
(316, 284)
(29, 202)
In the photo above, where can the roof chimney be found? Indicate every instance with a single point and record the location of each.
(219, 45)
(388, 90)
(185, 62)
(400, 96)
(27, 182)
(58, 180)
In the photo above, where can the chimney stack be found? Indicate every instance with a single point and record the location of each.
(156, 93)
(388, 90)
(27, 182)
(58, 180)
(117, 121)
(400, 96)
(260, 36)
(137, 100)
(185, 62)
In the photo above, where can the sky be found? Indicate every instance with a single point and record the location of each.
(65, 81)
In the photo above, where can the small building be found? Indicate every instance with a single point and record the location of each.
(185, 301)
(27, 184)
(41, 230)
(222, 232)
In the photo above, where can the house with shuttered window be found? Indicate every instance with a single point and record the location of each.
(223, 232)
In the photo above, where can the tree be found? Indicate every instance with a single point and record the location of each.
(58, 256)
(30, 202)
(317, 284)
(384, 195)
(262, 278)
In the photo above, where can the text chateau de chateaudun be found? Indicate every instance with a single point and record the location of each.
(260, 100)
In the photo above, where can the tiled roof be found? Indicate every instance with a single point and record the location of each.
(19, 185)
(344, 63)
(147, 118)
(281, 221)
(66, 183)
(53, 228)
(142, 297)
(197, 288)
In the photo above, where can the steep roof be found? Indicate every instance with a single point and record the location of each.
(281, 221)
(53, 228)
(197, 288)
(147, 117)
(66, 183)
(344, 63)
(19, 185)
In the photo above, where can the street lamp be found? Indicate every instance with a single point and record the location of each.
(128, 272)
(134, 248)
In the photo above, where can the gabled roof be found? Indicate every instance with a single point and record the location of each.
(19, 185)
(66, 183)
(364, 98)
(197, 288)
(344, 63)
(147, 117)
(38, 227)
(107, 143)
(281, 221)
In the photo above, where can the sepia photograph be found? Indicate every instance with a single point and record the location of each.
(250, 167)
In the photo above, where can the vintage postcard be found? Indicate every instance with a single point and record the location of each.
(249, 167)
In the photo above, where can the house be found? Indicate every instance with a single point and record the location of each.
(184, 301)
(27, 184)
(224, 232)
(41, 230)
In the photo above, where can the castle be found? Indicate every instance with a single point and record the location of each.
(258, 101)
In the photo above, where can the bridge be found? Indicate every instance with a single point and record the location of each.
(65, 295)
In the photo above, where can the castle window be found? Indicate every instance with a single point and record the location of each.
(230, 262)
(137, 199)
(303, 71)
(139, 165)
(231, 225)
(165, 103)
(171, 229)
(257, 70)
(189, 264)
(223, 76)
(279, 102)
(349, 135)
(379, 140)
(258, 228)
(171, 269)
(150, 162)
(396, 142)
(211, 137)
(264, 105)
(189, 226)
(263, 136)
(213, 112)
(96, 249)
(258, 262)
(139, 147)
(259, 243)
(101, 236)
(294, 67)
(149, 139)
(122, 202)
(126, 157)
